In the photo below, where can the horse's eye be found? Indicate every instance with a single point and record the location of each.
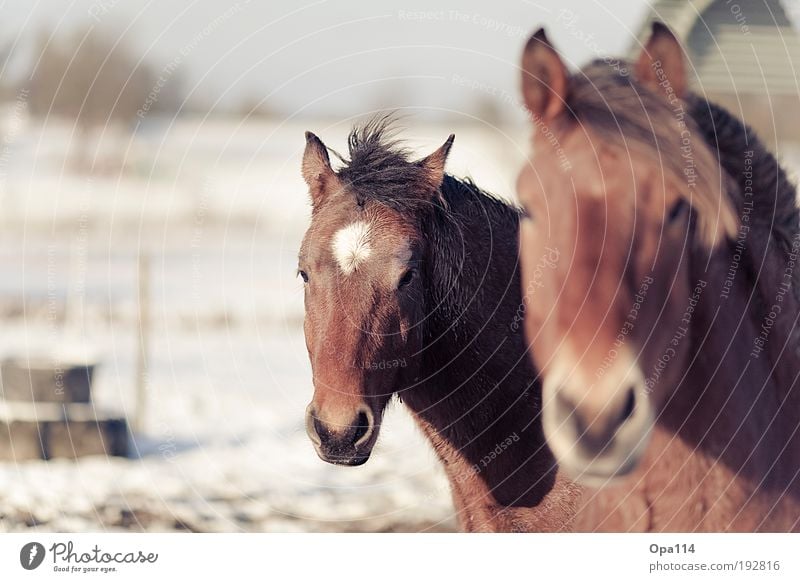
(407, 277)
(303, 275)
(677, 211)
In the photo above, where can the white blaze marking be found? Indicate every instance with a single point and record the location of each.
(351, 246)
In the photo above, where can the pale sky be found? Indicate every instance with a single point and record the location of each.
(337, 57)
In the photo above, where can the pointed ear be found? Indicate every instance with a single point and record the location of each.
(545, 79)
(434, 164)
(317, 171)
(662, 61)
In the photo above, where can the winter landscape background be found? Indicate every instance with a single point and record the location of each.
(169, 135)
(221, 444)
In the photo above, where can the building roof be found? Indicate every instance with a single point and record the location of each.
(734, 46)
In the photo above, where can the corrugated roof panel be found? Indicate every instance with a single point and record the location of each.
(744, 47)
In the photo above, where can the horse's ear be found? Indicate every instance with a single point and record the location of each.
(317, 171)
(434, 164)
(545, 79)
(661, 63)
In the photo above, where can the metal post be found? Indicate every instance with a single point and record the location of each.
(143, 341)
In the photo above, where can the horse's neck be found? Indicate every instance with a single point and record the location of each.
(769, 236)
(474, 341)
(475, 390)
(734, 402)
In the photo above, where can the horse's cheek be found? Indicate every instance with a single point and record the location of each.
(308, 335)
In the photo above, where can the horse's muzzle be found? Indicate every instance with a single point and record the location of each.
(347, 444)
(595, 445)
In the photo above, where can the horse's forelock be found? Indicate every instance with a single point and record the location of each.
(632, 118)
(380, 168)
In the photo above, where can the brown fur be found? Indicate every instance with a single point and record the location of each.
(724, 453)
(456, 325)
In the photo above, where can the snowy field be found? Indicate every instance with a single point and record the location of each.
(219, 208)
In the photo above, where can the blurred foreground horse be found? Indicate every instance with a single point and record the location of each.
(668, 338)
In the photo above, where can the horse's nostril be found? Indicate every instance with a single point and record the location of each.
(320, 429)
(630, 406)
(362, 426)
(564, 406)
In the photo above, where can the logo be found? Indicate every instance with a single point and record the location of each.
(31, 555)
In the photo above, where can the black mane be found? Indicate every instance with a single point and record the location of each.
(381, 169)
(775, 218)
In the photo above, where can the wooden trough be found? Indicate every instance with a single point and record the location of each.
(46, 411)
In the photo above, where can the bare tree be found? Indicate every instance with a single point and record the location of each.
(89, 78)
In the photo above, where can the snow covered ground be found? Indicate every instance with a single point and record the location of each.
(220, 209)
(222, 446)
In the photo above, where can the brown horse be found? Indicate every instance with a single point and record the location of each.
(667, 337)
(412, 288)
